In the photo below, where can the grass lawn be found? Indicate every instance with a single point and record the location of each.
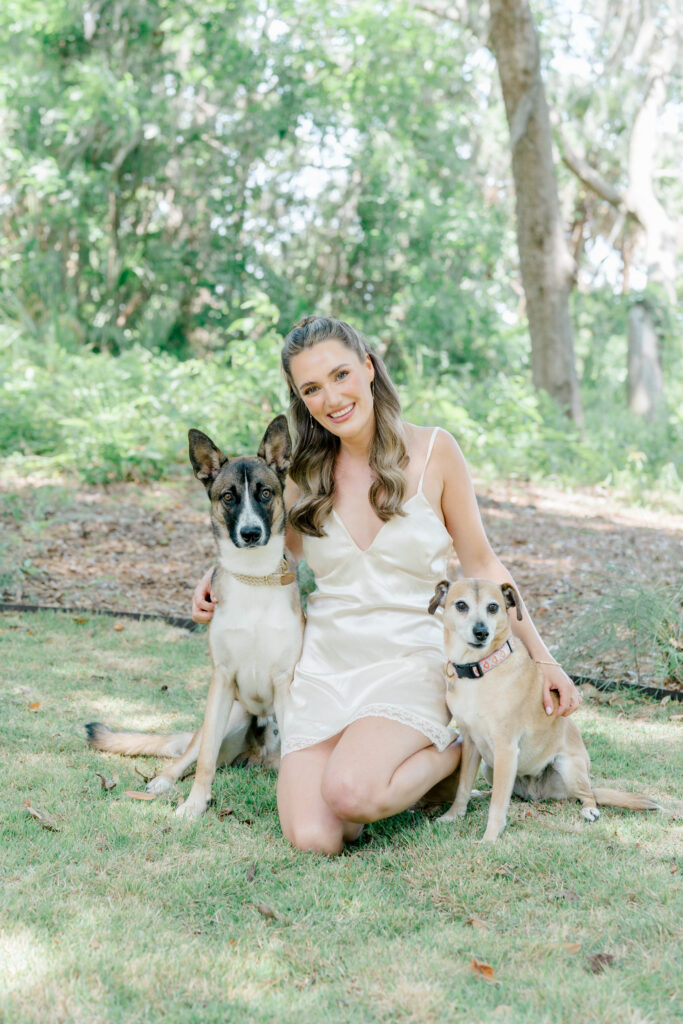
(127, 914)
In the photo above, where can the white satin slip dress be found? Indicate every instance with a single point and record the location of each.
(371, 648)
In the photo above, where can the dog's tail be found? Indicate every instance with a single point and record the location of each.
(631, 801)
(101, 737)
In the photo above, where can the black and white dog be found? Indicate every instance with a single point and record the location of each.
(256, 632)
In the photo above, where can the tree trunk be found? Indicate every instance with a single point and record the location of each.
(546, 264)
(645, 388)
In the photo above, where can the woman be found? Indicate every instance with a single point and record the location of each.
(376, 506)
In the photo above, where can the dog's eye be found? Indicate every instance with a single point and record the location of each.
(492, 608)
(265, 494)
(227, 497)
(462, 606)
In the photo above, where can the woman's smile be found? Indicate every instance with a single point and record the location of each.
(342, 414)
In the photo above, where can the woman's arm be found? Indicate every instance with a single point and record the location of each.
(477, 560)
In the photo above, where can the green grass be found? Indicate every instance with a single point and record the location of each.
(127, 914)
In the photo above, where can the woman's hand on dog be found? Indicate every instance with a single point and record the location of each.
(203, 603)
(556, 679)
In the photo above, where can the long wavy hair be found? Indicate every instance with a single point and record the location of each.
(316, 449)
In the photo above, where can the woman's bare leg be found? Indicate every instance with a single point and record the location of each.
(374, 769)
(379, 767)
(307, 821)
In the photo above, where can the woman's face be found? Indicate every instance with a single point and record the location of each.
(335, 386)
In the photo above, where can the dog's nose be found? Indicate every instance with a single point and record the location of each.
(480, 632)
(250, 535)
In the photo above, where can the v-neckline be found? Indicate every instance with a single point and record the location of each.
(355, 543)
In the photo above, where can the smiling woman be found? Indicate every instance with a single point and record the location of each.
(376, 506)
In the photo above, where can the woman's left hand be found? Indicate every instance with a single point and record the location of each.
(555, 678)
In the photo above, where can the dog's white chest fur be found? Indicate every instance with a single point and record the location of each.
(464, 700)
(255, 635)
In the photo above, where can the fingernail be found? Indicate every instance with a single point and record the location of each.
(548, 711)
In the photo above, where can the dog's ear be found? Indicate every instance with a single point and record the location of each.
(512, 600)
(276, 446)
(437, 601)
(206, 459)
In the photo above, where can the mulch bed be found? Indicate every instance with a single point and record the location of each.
(141, 548)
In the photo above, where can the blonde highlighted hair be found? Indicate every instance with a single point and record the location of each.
(316, 449)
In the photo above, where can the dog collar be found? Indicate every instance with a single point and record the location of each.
(477, 669)
(281, 578)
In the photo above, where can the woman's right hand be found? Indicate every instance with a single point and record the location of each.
(203, 603)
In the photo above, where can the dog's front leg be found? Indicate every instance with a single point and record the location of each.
(505, 757)
(165, 782)
(218, 707)
(469, 766)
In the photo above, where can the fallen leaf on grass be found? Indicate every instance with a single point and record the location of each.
(481, 969)
(251, 873)
(505, 871)
(119, 627)
(571, 947)
(268, 912)
(476, 922)
(104, 781)
(143, 775)
(135, 794)
(598, 961)
(34, 706)
(225, 812)
(44, 820)
(79, 622)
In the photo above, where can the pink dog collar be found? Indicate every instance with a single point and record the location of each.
(477, 669)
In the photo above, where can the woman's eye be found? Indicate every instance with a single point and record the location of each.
(492, 608)
(461, 606)
(342, 374)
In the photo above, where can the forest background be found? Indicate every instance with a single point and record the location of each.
(180, 182)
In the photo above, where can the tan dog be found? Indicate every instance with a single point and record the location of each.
(495, 694)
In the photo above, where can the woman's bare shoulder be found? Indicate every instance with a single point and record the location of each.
(419, 439)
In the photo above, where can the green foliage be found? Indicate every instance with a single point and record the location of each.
(161, 162)
(123, 417)
(642, 626)
(509, 430)
(126, 417)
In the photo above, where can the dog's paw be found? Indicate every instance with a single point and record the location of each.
(590, 813)
(159, 785)
(191, 809)
(449, 816)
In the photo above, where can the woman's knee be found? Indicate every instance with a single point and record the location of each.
(313, 837)
(353, 799)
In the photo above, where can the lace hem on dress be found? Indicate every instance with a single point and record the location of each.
(440, 735)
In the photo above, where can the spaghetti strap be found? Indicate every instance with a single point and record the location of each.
(429, 452)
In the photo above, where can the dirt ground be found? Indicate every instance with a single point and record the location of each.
(129, 547)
